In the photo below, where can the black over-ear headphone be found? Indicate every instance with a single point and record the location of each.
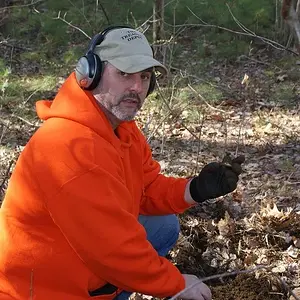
(89, 67)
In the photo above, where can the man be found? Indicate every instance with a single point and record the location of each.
(87, 213)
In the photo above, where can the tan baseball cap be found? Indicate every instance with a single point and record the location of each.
(128, 50)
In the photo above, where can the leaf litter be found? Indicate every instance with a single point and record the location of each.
(258, 224)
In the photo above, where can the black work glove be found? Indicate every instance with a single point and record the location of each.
(216, 179)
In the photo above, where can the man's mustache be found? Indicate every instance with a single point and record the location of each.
(133, 96)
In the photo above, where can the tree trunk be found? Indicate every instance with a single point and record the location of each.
(4, 11)
(290, 13)
(158, 20)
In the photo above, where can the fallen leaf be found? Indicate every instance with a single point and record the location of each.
(281, 77)
(237, 196)
(226, 226)
(296, 291)
(217, 117)
(245, 79)
(292, 252)
(279, 269)
(269, 212)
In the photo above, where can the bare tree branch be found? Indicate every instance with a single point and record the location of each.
(144, 26)
(105, 14)
(70, 24)
(251, 33)
(22, 5)
(82, 13)
(246, 32)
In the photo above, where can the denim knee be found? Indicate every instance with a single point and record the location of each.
(172, 229)
(162, 231)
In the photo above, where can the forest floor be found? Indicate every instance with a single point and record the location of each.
(255, 229)
(253, 232)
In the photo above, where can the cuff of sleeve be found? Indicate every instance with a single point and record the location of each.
(180, 204)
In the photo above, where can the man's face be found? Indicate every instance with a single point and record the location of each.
(122, 94)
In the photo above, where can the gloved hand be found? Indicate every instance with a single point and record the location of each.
(216, 179)
(197, 290)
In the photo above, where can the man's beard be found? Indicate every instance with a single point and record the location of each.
(122, 113)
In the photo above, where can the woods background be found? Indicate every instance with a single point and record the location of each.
(233, 88)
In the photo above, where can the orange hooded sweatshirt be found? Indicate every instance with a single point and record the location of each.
(68, 223)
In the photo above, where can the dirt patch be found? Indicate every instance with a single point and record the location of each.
(246, 287)
(264, 246)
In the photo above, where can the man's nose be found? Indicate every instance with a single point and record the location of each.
(137, 85)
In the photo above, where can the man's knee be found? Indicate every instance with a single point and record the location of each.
(162, 231)
(172, 226)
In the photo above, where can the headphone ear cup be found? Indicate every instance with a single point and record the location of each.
(89, 67)
(88, 71)
(152, 84)
(95, 70)
(82, 72)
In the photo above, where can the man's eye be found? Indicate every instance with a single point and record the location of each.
(123, 74)
(145, 76)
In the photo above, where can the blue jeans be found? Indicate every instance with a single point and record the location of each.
(162, 233)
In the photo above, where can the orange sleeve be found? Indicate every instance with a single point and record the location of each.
(162, 194)
(108, 239)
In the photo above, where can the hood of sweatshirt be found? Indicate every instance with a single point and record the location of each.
(75, 104)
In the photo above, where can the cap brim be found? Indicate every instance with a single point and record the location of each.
(137, 63)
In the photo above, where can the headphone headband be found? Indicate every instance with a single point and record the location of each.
(98, 38)
(89, 68)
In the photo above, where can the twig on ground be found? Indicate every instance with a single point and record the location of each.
(260, 62)
(166, 117)
(292, 183)
(238, 272)
(171, 111)
(287, 287)
(178, 114)
(156, 128)
(192, 133)
(6, 44)
(219, 276)
(6, 175)
(5, 127)
(3, 41)
(203, 99)
(29, 97)
(233, 273)
(24, 120)
(196, 170)
(245, 82)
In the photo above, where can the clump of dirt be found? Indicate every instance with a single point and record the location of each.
(247, 287)
(255, 257)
